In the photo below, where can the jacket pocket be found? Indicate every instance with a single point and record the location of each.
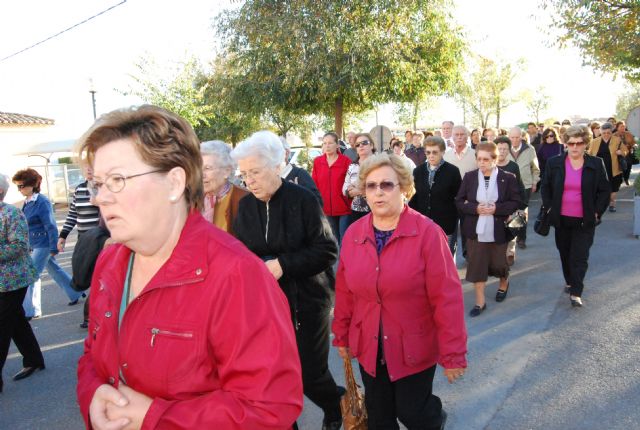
(355, 334)
(173, 352)
(417, 348)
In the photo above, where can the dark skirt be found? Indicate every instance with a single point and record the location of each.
(616, 182)
(486, 259)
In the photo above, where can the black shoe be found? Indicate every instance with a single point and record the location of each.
(502, 294)
(84, 324)
(477, 310)
(522, 244)
(26, 372)
(75, 302)
(576, 302)
(612, 209)
(444, 420)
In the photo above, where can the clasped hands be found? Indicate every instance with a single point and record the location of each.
(486, 208)
(118, 409)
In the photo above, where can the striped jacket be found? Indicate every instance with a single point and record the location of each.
(81, 212)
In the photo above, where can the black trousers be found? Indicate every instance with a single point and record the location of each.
(313, 347)
(573, 242)
(14, 325)
(522, 235)
(408, 399)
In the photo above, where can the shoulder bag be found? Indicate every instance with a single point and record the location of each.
(542, 225)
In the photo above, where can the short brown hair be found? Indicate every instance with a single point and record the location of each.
(405, 176)
(435, 141)
(576, 131)
(161, 138)
(489, 147)
(28, 177)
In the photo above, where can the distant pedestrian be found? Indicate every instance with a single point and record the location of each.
(351, 188)
(487, 197)
(416, 152)
(43, 239)
(608, 147)
(17, 272)
(397, 148)
(576, 191)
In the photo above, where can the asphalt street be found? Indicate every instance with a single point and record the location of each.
(534, 362)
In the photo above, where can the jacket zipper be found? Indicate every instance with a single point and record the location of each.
(156, 331)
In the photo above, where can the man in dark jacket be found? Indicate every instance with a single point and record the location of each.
(437, 183)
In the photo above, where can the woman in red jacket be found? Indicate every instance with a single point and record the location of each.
(181, 312)
(328, 173)
(399, 307)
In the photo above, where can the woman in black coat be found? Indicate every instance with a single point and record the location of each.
(576, 191)
(437, 183)
(486, 198)
(283, 224)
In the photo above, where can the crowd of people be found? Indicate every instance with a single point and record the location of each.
(191, 326)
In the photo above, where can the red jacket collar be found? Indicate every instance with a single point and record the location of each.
(407, 226)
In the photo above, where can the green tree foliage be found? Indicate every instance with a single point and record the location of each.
(182, 92)
(537, 103)
(607, 32)
(485, 92)
(627, 100)
(408, 114)
(330, 57)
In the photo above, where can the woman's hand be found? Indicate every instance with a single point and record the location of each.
(486, 209)
(275, 268)
(453, 374)
(619, 152)
(134, 411)
(344, 352)
(107, 397)
(353, 191)
(61, 243)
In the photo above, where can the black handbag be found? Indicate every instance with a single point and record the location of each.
(543, 222)
(622, 161)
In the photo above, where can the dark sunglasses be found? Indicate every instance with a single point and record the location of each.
(21, 186)
(553, 136)
(574, 143)
(385, 186)
(434, 152)
(363, 143)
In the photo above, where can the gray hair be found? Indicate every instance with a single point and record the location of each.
(262, 144)
(449, 122)
(221, 151)
(606, 126)
(4, 185)
(460, 127)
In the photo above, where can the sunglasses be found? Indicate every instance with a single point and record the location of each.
(574, 143)
(21, 186)
(385, 186)
(432, 152)
(552, 136)
(363, 143)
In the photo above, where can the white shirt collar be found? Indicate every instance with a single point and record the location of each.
(33, 198)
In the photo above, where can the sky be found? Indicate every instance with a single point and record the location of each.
(53, 79)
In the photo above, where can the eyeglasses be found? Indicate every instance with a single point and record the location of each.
(114, 183)
(385, 186)
(431, 152)
(251, 174)
(363, 143)
(574, 143)
(21, 186)
(550, 136)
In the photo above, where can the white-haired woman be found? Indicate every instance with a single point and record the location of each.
(221, 197)
(17, 271)
(284, 225)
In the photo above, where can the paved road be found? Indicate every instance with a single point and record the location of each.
(535, 363)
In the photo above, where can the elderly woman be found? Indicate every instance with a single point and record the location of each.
(487, 197)
(609, 147)
(283, 224)
(181, 312)
(16, 273)
(365, 147)
(221, 197)
(399, 308)
(576, 191)
(43, 239)
(329, 170)
(437, 183)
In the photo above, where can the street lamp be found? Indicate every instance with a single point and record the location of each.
(92, 90)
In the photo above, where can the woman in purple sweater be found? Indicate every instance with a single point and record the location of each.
(549, 147)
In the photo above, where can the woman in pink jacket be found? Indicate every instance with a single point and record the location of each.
(181, 312)
(399, 307)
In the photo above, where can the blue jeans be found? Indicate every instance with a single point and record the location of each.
(42, 258)
(338, 225)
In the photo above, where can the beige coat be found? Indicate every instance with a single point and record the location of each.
(613, 147)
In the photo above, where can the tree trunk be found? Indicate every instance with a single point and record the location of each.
(498, 115)
(338, 118)
(414, 116)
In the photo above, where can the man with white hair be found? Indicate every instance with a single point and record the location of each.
(447, 130)
(351, 150)
(464, 158)
(526, 158)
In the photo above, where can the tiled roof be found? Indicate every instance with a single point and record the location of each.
(12, 119)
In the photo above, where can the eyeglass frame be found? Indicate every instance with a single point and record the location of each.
(375, 186)
(363, 143)
(94, 190)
